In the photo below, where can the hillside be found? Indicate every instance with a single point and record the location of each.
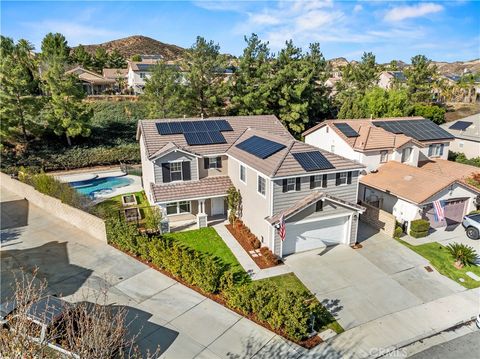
(141, 45)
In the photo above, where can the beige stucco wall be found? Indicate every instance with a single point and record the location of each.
(84, 221)
(202, 172)
(470, 149)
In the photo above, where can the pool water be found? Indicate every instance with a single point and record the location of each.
(100, 185)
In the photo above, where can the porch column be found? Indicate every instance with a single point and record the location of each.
(201, 216)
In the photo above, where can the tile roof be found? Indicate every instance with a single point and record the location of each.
(154, 141)
(114, 73)
(307, 201)
(370, 136)
(282, 163)
(471, 133)
(204, 188)
(414, 184)
(89, 76)
(452, 169)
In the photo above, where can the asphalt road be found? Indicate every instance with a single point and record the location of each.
(464, 347)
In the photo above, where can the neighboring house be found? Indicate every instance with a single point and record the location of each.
(407, 167)
(92, 83)
(387, 79)
(120, 76)
(466, 133)
(138, 72)
(188, 165)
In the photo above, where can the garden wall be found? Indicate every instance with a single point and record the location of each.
(85, 222)
(378, 219)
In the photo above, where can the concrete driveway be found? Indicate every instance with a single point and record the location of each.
(360, 285)
(182, 322)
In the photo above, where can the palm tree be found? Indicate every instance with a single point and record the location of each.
(463, 254)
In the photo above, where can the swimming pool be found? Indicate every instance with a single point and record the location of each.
(100, 186)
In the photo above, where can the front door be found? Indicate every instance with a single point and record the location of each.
(218, 206)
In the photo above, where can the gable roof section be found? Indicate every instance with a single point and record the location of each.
(413, 184)
(170, 147)
(114, 73)
(155, 142)
(89, 76)
(308, 201)
(282, 163)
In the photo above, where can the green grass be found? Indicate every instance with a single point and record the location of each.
(440, 258)
(206, 240)
(291, 282)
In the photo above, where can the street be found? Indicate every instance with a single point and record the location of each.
(465, 347)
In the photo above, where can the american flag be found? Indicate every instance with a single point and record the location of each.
(439, 212)
(281, 229)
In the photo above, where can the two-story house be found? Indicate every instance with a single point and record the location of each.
(406, 166)
(138, 72)
(189, 165)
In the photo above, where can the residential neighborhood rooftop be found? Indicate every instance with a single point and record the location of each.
(467, 128)
(414, 184)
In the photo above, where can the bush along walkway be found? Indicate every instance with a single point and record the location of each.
(283, 306)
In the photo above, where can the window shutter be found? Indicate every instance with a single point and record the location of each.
(349, 177)
(430, 150)
(312, 182)
(219, 162)
(324, 181)
(206, 163)
(297, 184)
(285, 185)
(337, 179)
(187, 176)
(319, 206)
(166, 173)
(441, 149)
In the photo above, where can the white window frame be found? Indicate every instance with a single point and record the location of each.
(142, 75)
(317, 182)
(214, 161)
(291, 184)
(343, 176)
(243, 169)
(177, 206)
(436, 148)
(332, 148)
(405, 159)
(181, 171)
(259, 179)
(383, 156)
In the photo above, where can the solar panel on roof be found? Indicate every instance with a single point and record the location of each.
(312, 161)
(192, 138)
(199, 126)
(176, 128)
(347, 130)
(422, 130)
(211, 125)
(260, 147)
(460, 125)
(187, 126)
(217, 137)
(223, 125)
(204, 138)
(144, 67)
(163, 128)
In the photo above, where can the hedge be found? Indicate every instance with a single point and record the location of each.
(419, 228)
(398, 232)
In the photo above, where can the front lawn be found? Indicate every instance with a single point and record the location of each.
(441, 259)
(206, 240)
(292, 283)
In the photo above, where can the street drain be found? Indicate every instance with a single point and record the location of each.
(429, 269)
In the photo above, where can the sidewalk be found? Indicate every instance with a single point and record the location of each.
(398, 329)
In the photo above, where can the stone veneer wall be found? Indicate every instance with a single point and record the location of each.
(378, 218)
(84, 221)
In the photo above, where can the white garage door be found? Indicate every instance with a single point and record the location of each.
(314, 234)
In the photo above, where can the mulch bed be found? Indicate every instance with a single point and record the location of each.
(264, 259)
(308, 343)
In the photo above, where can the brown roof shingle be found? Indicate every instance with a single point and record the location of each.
(205, 187)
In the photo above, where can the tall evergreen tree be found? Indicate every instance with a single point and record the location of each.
(18, 91)
(81, 57)
(116, 60)
(205, 81)
(164, 91)
(251, 85)
(100, 59)
(55, 46)
(419, 79)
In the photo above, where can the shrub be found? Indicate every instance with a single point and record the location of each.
(475, 212)
(283, 309)
(463, 254)
(398, 232)
(432, 112)
(419, 228)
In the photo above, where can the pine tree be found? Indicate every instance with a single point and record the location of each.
(55, 46)
(205, 86)
(81, 57)
(164, 92)
(251, 85)
(116, 60)
(18, 92)
(100, 60)
(419, 79)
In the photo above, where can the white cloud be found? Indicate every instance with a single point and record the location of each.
(406, 12)
(357, 8)
(75, 33)
(264, 19)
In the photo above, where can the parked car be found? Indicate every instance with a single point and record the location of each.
(471, 223)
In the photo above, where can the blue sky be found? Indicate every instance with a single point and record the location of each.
(442, 30)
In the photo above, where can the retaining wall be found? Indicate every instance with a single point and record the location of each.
(84, 221)
(378, 218)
